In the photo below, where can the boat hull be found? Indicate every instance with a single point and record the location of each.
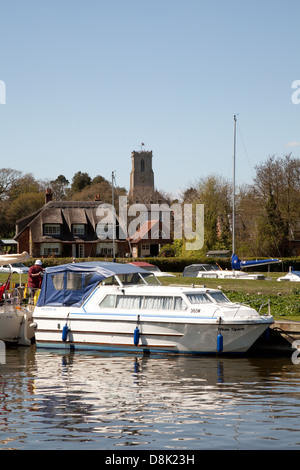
(10, 325)
(15, 326)
(172, 337)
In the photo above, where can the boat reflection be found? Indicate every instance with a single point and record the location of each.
(126, 383)
(63, 400)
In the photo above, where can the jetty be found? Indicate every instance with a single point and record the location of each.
(282, 337)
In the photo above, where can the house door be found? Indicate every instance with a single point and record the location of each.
(78, 250)
(154, 250)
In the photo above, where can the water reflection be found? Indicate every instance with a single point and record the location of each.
(70, 401)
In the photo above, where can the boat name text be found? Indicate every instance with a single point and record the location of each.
(233, 328)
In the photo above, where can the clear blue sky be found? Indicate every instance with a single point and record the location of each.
(88, 80)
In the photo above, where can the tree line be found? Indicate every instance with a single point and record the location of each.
(267, 214)
(267, 210)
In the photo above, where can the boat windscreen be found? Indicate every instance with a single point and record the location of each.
(150, 279)
(219, 297)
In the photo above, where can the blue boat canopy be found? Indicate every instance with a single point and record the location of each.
(70, 284)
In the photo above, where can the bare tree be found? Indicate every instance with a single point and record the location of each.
(8, 177)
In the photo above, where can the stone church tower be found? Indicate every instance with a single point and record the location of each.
(141, 176)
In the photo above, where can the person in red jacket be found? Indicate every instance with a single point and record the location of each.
(35, 278)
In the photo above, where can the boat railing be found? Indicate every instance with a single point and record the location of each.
(263, 304)
(188, 285)
(13, 297)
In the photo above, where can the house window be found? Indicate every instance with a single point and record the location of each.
(50, 249)
(51, 229)
(145, 250)
(142, 165)
(78, 229)
(105, 249)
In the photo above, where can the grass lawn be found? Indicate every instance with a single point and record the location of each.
(284, 296)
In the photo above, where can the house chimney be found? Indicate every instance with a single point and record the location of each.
(48, 195)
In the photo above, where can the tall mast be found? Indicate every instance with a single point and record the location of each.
(233, 209)
(113, 215)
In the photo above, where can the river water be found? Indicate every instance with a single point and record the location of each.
(52, 401)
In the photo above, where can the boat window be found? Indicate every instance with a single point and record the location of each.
(139, 301)
(110, 281)
(109, 301)
(58, 281)
(179, 303)
(130, 278)
(204, 267)
(158, 303)
(129, 301)
(198, 298)
(215, 267)
(209, 267)
(190, 271)
(219, 297)
(74, 281)
(150, 279)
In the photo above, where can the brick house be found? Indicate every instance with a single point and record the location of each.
(149, 239)
(66, 229)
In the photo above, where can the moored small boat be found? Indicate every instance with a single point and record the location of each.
(121, 307)
(291, 276)
(14, 320)
(15, 326)
(214, 271)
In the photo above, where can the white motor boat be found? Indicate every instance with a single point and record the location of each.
(121, 307)
(214, 271)
(292, 276)
(14, 320)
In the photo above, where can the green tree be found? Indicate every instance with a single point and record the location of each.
(215, 193)
(80, 181)
(25, 184)
(277, 184)
(59, 188)
(23, 205)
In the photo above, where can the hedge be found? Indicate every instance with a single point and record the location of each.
(177, 264)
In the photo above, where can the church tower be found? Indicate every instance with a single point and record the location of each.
(141, 176)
